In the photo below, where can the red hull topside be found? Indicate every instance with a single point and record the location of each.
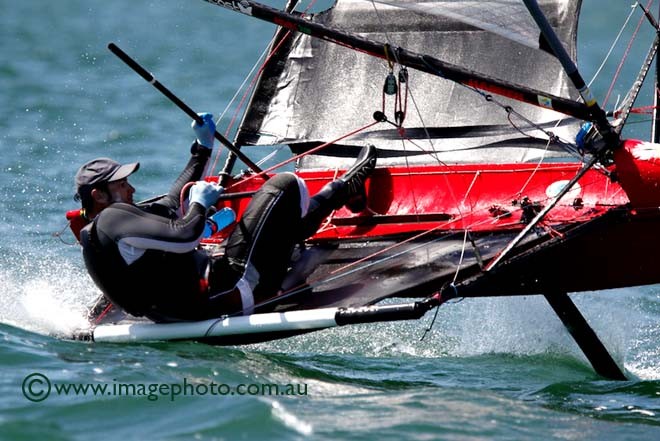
(487, 199)
(474, 197)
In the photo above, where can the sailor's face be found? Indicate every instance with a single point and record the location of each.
(121, 191)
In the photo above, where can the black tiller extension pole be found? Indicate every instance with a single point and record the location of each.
(123, 56)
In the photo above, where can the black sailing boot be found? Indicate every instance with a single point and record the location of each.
(355, 179)
(348, 189)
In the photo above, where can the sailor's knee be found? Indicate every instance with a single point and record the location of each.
(282, 181)
(291, 187)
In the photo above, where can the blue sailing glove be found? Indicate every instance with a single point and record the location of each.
(205, 193)
(205, 133)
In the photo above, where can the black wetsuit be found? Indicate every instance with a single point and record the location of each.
(145, 258)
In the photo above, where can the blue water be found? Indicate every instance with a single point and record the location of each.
(489, 369)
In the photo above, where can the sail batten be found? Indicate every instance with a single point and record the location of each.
(323, 91)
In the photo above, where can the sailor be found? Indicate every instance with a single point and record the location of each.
(145, 257)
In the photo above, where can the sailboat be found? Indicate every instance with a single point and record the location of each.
(499, 174)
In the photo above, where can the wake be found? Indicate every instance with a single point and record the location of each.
(44, 295)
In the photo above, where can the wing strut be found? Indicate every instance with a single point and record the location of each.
(261, 324)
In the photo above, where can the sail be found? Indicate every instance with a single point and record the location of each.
(314, 91)
(507, 18)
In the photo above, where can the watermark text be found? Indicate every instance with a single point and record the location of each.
(38, 387)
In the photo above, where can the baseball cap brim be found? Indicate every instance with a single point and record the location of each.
(124, 171)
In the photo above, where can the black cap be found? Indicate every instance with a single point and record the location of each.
(103, 170)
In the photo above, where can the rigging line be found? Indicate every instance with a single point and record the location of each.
(633, 93)
(245, 80)
(643, 110)
(327, 224)
(308, 152)
(410, 179)
(418, 236)
(387, 35)
(314, 283)
(489, 98)
(474, 181)
(640, 121)
(541, 214)
(460, 260)
(430, 326)
(434, 154)
(418, 111)
(509, 112)
(552, 138)
(444, 224)
(269, 156)
(541, 159)
(614, 43)
(533, 173)
(415, 237)
(393, 246)
(618, 100)
(58, 234)
(231, 102)
(545, 150)
(273, 51)
(251, 85)
(263, 66)
(625, 55)
(605, 59)
(408, 89)
(390, 45)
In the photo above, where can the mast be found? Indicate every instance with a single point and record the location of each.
(603, 126)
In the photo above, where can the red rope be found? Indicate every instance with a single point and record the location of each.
(184, 191)
(646, 110)
(625, 56)
(308, 152)
(105, 312)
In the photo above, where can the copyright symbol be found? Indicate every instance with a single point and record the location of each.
(36, 387)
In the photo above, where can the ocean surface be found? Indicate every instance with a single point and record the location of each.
(489, 369)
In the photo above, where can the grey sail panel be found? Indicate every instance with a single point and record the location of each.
(507, 18)
(324, 91)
